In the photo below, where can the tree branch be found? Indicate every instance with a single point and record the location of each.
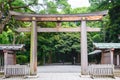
(17, 7)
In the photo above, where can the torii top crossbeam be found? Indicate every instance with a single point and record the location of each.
(58, 17)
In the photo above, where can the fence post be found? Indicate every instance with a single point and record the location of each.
(5, 61)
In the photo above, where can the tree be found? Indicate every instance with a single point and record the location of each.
(112, 25)
(9, 25)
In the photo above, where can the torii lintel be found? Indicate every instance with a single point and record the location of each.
(59, 17)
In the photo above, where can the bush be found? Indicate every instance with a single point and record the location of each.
(21, 59)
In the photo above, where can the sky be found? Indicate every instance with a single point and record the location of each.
(79, 3)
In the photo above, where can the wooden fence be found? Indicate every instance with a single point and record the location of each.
(17, 70)
(101, 70)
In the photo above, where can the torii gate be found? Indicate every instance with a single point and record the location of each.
(34, 18)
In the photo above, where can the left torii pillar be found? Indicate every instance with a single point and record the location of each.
(33, 48)
(84, 55)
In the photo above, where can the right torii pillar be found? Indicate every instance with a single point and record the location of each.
(84, 55)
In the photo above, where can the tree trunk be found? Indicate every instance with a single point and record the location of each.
(50, 57)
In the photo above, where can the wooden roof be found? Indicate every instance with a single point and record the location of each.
(95, 52)
(11, 47)
(58, 17)
(107, 45)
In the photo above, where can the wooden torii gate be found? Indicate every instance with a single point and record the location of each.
(34, 18)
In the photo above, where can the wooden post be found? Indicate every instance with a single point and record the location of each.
(118, 58)
(33, 49)
(5, 61)
(102, 57)
(14, 58)
(84, 56)
(58, 24)
(111, 52)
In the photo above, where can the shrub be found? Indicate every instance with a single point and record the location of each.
(21, 59)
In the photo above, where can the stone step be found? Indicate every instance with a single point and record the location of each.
(117, 73)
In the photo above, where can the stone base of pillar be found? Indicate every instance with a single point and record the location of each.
(33, 76)
(118, 61)
(85, 76)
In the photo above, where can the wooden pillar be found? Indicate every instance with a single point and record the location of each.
(118, 58)
(78, 58)
(111, 56)
(33, 48)
(14, 58)
(5, 61)
(102, 57)
(84, 56)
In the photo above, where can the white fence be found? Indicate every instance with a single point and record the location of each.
(17, 70)
(101, 70)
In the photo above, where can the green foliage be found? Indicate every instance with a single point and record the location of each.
(67, 42)
(18, 2)
(21, 59)
(63, 5)
(51, 8)
(112, 22)
(80, 10)
(4, 38)
(97, 5)
(114, 25)
(47, 24)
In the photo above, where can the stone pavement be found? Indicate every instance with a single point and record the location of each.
(60, 76)
(59, 69)
(65, 72)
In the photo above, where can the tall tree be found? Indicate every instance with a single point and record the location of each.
(112, 25)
